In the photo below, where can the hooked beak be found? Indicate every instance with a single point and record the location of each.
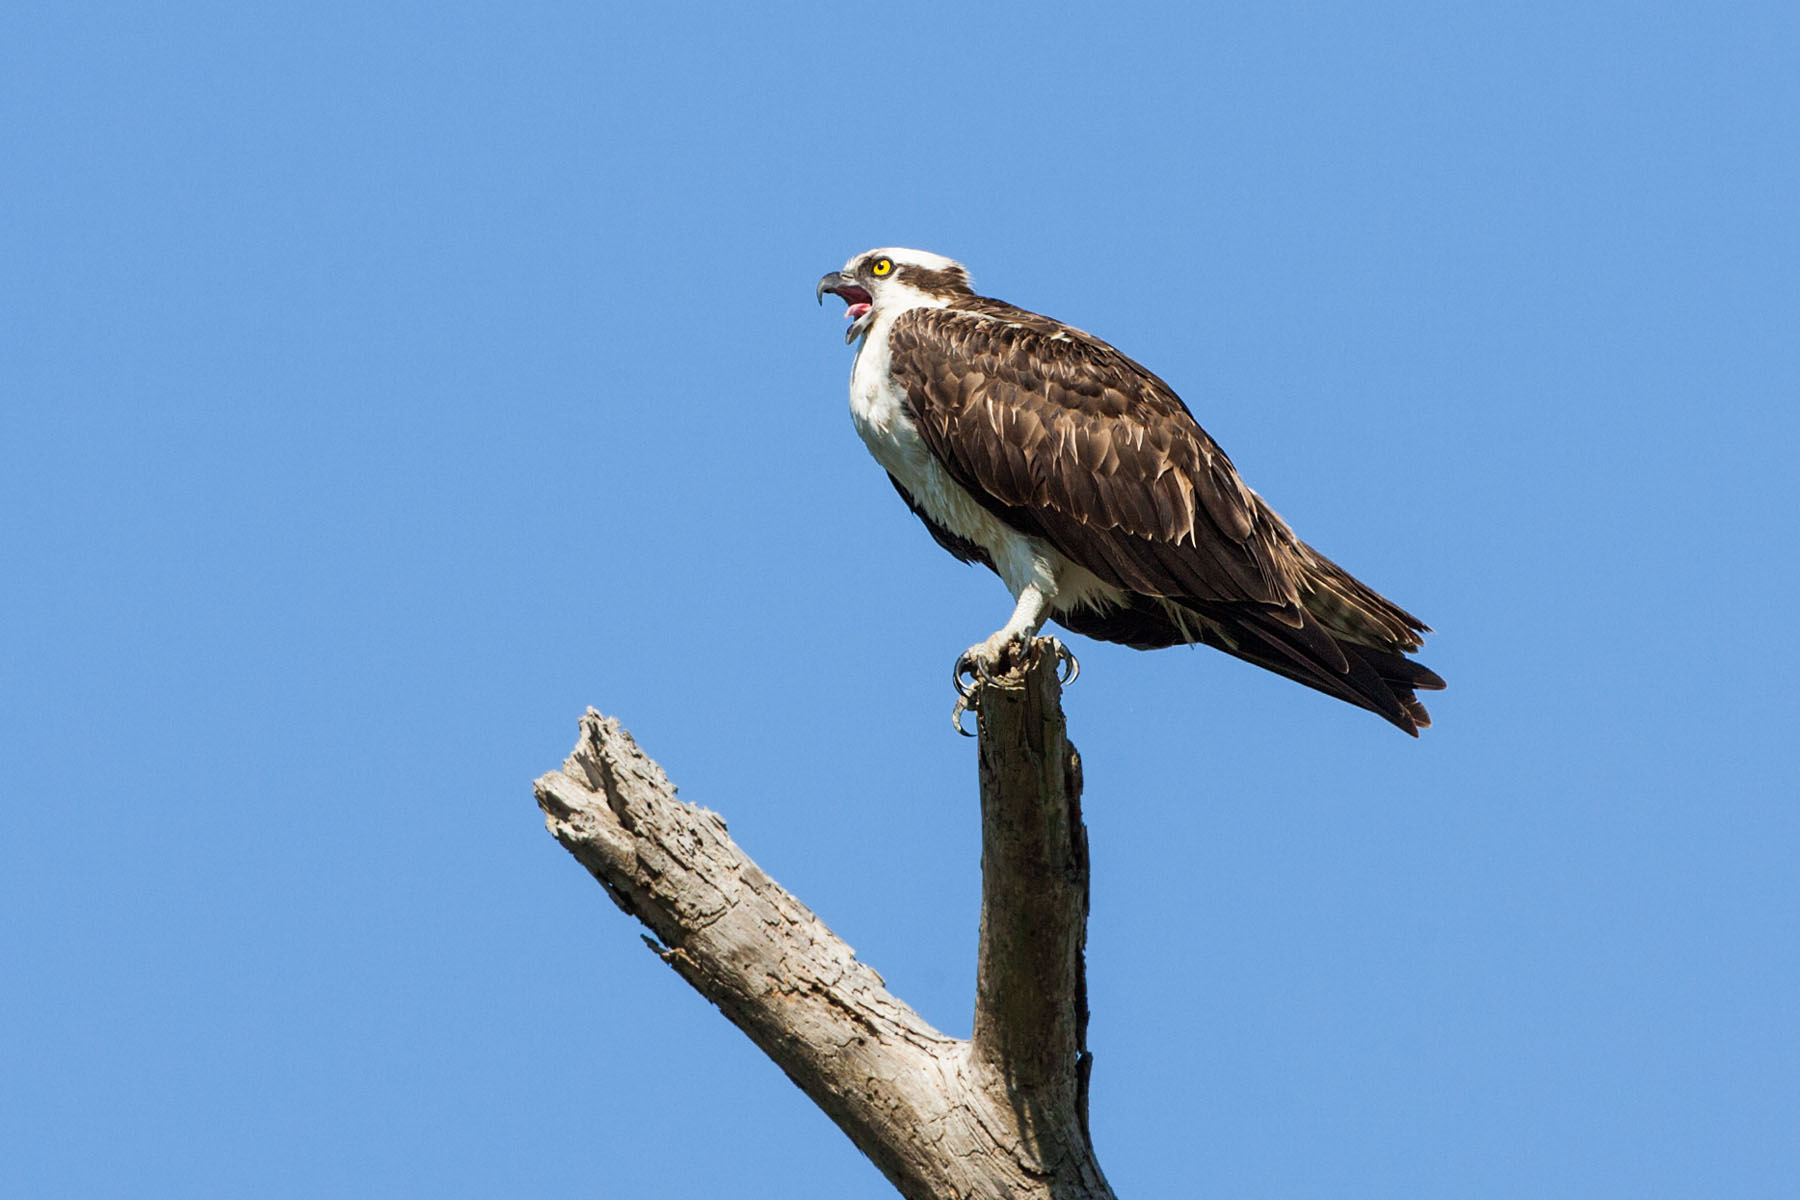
(857, 297)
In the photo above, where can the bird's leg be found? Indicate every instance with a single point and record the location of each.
(1007, 647)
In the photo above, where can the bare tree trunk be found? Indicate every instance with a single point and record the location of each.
(1002, 1115)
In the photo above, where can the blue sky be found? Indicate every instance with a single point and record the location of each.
(382, 384)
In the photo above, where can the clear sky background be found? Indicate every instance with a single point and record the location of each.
(382, 384)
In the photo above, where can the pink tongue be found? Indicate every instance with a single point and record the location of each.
(857, 310)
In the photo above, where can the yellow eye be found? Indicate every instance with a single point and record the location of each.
(882, 267)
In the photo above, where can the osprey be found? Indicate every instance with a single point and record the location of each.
(1084, 482)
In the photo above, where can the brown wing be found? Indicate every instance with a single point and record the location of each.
(1064, 433)
(1065, 438)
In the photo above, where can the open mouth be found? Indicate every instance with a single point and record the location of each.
(858, 303)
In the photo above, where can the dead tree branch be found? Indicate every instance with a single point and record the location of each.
(1003, 1115)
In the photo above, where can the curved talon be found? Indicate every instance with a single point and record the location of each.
(975, 667)
(1065, 659)
(964, 666)
(956, 713)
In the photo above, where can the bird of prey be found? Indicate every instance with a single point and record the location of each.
(1083, 481)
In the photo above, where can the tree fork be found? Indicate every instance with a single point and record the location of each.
(1002, 1115)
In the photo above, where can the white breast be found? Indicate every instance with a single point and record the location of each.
(878, 408)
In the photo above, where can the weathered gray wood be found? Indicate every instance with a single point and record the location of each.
(1031, 980)
(1001, 1116)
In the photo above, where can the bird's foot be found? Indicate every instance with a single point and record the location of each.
(983, 664)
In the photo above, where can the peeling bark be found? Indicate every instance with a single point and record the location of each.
(1002, 1115)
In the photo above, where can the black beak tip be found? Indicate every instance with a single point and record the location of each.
(828, 282)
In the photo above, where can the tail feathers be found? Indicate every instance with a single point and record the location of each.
(1382, 681)
(1397, 668)
(1311, 655)
(1402, 675)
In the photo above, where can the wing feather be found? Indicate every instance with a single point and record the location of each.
(1110, 466)
(1066, 439)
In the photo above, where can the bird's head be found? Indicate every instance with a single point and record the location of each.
(891, 280)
